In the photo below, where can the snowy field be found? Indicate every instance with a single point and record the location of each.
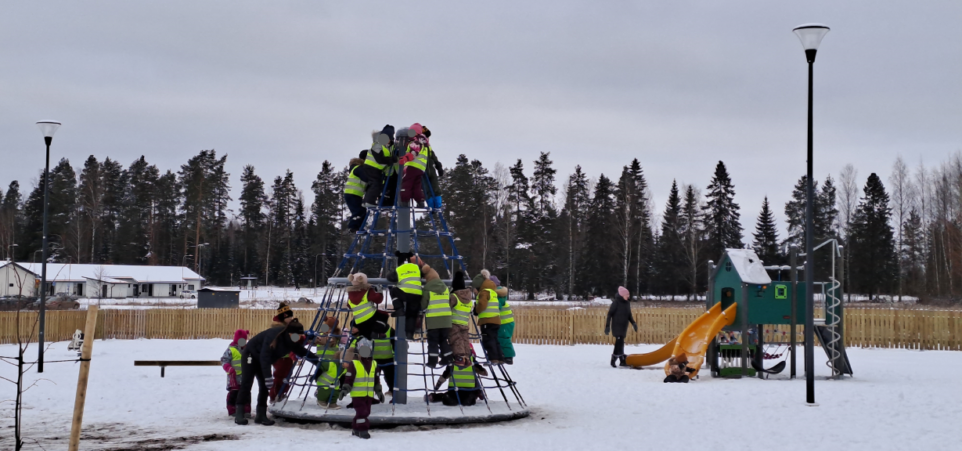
(899, 400)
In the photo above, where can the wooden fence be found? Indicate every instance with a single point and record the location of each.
(864, 326)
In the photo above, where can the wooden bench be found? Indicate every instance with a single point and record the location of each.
(163, 364)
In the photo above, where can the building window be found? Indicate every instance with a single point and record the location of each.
(190, 287)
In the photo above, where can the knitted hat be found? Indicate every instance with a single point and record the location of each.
(477, 281)
(417, 128)
(365, 348)
(238, 334)
(623, 292)
(457, 283)
(426, 131)
(495, 280)
(284, 311)
(403, 256)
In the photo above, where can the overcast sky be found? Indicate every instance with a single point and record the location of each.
(677, 84)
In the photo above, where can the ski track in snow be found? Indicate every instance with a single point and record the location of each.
(899, 399)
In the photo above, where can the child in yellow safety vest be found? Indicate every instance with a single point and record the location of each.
(463, 387)
(506, 331)
(231, 362)
(359, 381)
(489, 316)
(462, 303)
(436, 304)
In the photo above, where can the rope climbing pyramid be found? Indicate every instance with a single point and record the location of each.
(471, 390)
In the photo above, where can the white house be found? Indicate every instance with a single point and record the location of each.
(112, 281)
(17, 280)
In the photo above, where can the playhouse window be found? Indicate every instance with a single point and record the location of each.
(728, 266)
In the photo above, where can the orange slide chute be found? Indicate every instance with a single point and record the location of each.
(693, 341)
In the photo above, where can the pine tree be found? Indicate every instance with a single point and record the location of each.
(166, 222)
(542, 220)
(872, 242)
(766, 236)
(113, 180)
(135, 234)
(795, 213)
(722, 225)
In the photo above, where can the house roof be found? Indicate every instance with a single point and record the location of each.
(65, 272)
(749, 266)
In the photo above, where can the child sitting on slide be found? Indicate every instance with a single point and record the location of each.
(679, 369)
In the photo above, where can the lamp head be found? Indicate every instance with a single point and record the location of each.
(48, 128)
(811, 35)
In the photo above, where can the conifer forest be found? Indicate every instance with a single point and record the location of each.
(551, 235)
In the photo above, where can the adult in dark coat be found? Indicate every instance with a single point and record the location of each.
(619, 315)
(261, 351)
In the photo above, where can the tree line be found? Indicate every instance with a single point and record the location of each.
(583, 240)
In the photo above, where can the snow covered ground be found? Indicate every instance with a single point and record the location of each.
(898, 400)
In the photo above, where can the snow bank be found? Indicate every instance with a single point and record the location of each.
(899, 400)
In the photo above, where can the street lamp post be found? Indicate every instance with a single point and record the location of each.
(810, 35)
(48, 128)
(10, 251)
(197, 262)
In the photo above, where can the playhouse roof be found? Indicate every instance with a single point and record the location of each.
(749, 266)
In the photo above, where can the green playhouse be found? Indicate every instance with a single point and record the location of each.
(741, 278)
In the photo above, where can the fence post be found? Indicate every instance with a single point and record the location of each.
(85, 353)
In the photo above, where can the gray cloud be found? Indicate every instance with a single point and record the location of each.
(678, 85)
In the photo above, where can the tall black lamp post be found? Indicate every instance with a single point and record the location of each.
(48, 128)
(810, 35)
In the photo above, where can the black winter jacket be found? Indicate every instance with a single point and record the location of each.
(619, 315)
(259, 348)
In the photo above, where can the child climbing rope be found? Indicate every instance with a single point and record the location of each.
(506, 331)
(462, 301)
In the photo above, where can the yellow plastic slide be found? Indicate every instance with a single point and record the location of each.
(693, 341)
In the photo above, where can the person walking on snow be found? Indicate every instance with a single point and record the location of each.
(619, 315)
(489, 315)
(359, 383)
(462, 303)
(506, 331)
(261, 351)
(231, 361)
(354, 190)
(436, 304)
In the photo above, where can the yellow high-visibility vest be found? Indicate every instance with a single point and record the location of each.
(462, 377)
(354, 184)
(493, 310)
(507, 316)
(409, 278)
(439, 304)
(363, 311)
(363, 381)
(462, 311)
(383, 347)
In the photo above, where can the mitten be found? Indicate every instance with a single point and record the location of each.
(607, 329)
(345, 390)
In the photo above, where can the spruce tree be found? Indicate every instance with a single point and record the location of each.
(252, 218)
(691, 234)
(643, 237)
(913, 253)
(574, 222)
(671, 259)
(11, 220)
(542, 221)
(872, 242)
(90, 206)
(724, 230)
(795, 213)
(599, 274)
(766, 236)
(328, 218)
